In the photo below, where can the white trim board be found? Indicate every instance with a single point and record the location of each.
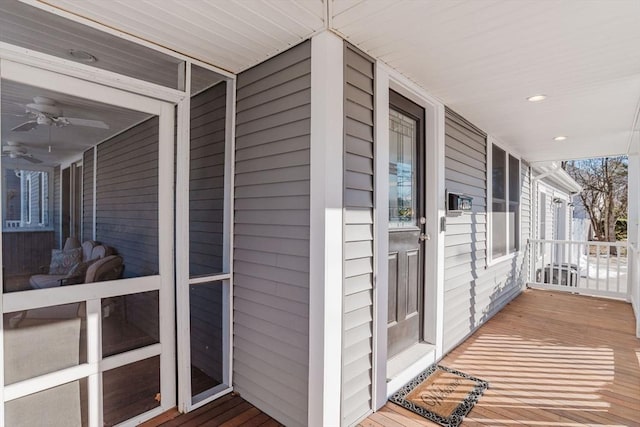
(388, 78)
(326, 223)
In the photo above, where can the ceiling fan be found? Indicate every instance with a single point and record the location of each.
(14, 150)
(45, 111)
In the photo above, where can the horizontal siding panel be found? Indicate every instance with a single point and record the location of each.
(359, 79)
(359, 147)
(358, 164)
(357, 112)
(354, 250)
(290, 87)
(358, 267)
(358, 130)
(278, 106)
(280, 147)
(278, 161)
(357, 284)
(358, 181)
(295, 218)
(274, 121)
(359, 96)
(267, 136)
(273, 80)
(295, 188)
(260, 285)
(271, 235)
(273, 203)
(296, 173)
(356, 302)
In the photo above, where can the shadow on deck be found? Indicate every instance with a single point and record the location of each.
(552, 359)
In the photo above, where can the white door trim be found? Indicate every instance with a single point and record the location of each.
(388, 78)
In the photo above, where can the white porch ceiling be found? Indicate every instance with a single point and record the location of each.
(482, 59)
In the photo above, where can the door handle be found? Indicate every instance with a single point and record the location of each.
(424, 236)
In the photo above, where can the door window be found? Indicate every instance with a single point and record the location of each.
(402, 170)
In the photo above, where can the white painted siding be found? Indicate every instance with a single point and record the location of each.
(271, 254)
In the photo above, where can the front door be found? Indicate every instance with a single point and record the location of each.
(406, 223)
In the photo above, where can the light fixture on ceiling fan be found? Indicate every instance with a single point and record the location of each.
(45, 111)
(15, 150)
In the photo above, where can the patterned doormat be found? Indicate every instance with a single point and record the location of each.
(441, 395)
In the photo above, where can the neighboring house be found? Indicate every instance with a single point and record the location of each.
(288, 230)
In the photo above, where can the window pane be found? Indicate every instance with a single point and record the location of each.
(26, 199)
(207, 336)
(42, 341)
(206, 181)
(402, 170)
(498, 173)
(514, 180)
(130, 322)
(61, 406)
(514, 230)
(498, 229)
(131, 390)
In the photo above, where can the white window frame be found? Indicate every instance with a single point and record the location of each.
(491, 142)
(46, 206)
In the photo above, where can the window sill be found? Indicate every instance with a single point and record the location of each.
(504, 258)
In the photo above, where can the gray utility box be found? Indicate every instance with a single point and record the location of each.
(558, 274)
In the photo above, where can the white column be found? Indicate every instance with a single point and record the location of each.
(325, 270)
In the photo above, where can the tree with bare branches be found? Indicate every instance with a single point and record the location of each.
(604, 192)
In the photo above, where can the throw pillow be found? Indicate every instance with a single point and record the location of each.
(62, 261)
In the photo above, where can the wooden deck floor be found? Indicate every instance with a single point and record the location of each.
(228, 411)
(552, 359)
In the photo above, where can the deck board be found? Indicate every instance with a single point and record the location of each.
(552, 359)
(228, 411)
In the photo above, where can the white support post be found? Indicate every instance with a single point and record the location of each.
(326, 224)
(381, 239)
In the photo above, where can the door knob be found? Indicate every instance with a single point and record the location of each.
(424, 236)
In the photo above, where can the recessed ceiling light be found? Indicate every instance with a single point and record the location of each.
(559, 138)
(537, 98)
(81, 56)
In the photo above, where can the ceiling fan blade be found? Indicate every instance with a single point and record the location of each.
(30, 158)
(25, 126)
(84, 122)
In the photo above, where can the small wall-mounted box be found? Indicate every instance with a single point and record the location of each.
(457, 204)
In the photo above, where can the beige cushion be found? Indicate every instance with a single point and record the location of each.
(101, 251)
(71, 243)
(108, 268)
(42, 281)
(87, 249)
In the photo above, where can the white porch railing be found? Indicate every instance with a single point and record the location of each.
(588, 268)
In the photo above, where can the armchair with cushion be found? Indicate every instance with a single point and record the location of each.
(75, 264)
